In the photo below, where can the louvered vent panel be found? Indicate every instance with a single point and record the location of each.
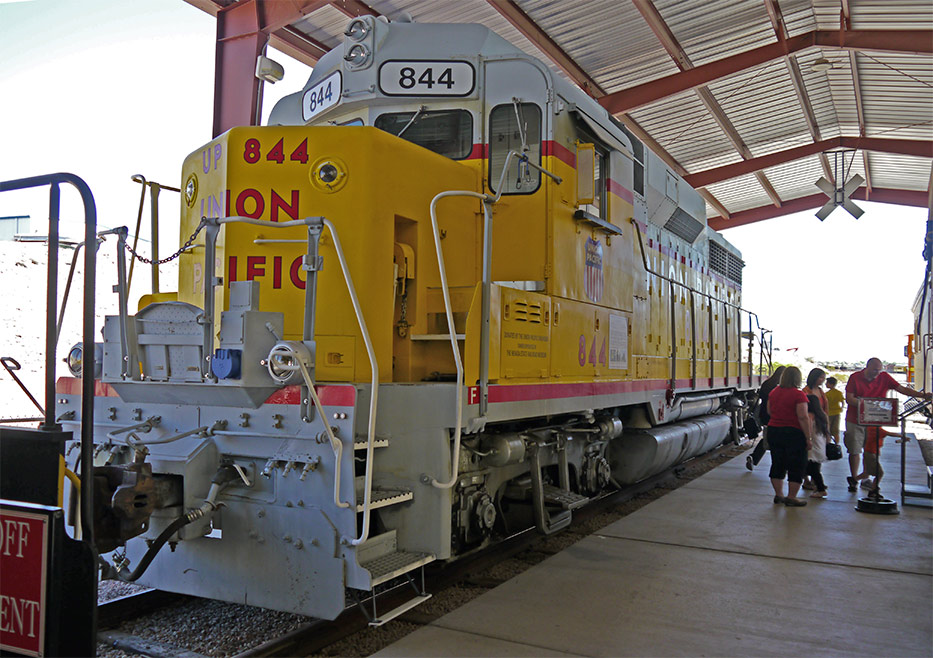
(735, 268)
(718, 258)
(684, 226)
(525, 312)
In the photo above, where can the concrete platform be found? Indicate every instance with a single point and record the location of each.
(715, 568)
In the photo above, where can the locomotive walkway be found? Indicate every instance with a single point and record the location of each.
(715, 568)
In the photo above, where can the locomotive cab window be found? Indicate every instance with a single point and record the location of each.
(598, 206)
(446, 132)
(515, 127)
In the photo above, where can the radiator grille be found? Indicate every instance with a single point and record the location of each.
(725, 263)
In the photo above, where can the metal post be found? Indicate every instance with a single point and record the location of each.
(51, 312)
(673, 384)
(154, 214)
(311, 266)
(120, 289)
(693, 339)
(210, 280)
(486, 302)
(725, 336)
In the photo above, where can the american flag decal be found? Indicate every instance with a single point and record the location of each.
(593, 276)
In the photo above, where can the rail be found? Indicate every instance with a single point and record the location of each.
(54, 181)
(711, 300)
(487, 201)
(154, 189)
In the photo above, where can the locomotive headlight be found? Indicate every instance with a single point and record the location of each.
(357, 29)
(191, 190)
(328, 174)
(75, 360)
(357, 55)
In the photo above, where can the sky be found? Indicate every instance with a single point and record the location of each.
(106, 89)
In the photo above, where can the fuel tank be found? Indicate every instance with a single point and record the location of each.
(641, 453)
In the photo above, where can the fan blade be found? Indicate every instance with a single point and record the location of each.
(852, 185)
(853, 209)
(825, 186)
(826, 210)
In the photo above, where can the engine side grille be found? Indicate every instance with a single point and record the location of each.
(684, 225)
(725, 263)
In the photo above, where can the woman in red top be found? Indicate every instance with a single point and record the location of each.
(815, 387)
(788, 437)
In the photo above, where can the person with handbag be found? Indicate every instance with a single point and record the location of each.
(817, 453)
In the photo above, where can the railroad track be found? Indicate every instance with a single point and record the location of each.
(317, 635)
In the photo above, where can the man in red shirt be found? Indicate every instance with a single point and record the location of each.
(871, 382)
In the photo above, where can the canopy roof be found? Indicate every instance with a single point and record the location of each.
(750, 100)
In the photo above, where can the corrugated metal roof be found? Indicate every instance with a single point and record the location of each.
(622, 44)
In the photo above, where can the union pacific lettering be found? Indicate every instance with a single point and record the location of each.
(253, 203)
(260, 267)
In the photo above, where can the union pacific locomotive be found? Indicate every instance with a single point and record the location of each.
(441, 298)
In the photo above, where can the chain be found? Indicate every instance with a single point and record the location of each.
(148, 261)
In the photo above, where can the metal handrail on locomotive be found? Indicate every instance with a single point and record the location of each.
(441, 298)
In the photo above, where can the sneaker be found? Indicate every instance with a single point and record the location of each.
(749, 464)
(867, 484)
(818, 494)
(809, 486)
(778, 500)
(794, 502)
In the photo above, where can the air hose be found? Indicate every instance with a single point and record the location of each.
(223, 476)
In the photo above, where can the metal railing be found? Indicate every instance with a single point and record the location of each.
(487, 201)
(54, 181)
(710, 301)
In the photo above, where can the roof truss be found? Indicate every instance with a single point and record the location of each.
(245, 27)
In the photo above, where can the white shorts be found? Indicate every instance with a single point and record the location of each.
(854, 438)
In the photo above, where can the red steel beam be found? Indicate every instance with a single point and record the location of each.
(297, 45)
(900, 146)
(664, 34)
(902, 41)
(243, 30)
(881, 195)
(354, 8)
(531, 31)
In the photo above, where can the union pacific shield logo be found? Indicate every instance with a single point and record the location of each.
(593, 275)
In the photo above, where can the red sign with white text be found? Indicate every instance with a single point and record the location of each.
(23, 571)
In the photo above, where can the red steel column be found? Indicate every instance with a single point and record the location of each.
(236, 88)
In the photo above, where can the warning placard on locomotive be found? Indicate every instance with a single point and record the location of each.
(23, 552)
(526, 334)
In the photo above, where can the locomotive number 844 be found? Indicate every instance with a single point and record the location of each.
(442, 297)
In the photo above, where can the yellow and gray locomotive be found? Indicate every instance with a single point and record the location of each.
(442, 297)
